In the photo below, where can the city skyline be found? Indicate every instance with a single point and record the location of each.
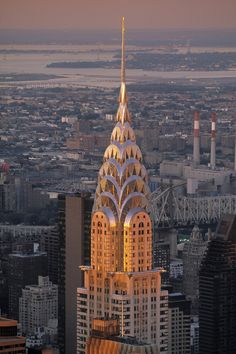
(118, 219)
(150, 14)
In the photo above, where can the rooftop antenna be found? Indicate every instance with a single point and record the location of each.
(123, 96)
(123, 52)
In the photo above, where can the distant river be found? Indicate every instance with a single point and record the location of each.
(33, 59)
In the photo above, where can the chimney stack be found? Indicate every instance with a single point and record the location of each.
(196, 140)
(213, 141)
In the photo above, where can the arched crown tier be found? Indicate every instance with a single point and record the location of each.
(122, 181)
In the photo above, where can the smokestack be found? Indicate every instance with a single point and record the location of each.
(196, 142)
(213, 141)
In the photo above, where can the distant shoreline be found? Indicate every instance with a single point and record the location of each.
(167, 62)
(26, 77)
(153, 37)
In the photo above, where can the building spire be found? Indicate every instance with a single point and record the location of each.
(123, 96)
(123, 52)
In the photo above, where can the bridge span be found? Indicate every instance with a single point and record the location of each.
(170, 209)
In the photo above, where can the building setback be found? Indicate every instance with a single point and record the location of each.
(105, 339)
(217, 291)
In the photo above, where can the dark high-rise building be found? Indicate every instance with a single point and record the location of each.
(74, 250)
(50, 245)
(179, 324)
(5, 249)
(3, 289)
(1, 197)
(42, 350)
(164, 249)
(162, 259)
(192, 256)
(24, 269)
(17, 194)
(217, 291)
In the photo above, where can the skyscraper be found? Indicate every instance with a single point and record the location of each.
(50, 244)
(24, 269)
(217, 291)
(192, 256)
(121, 280)
(74, 250)
(179, 324)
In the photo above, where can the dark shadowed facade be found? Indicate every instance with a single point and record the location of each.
(74, 250)
(217, 292)
(24, 269)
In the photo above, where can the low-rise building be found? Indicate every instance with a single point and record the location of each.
(38, 305)
(10, 342)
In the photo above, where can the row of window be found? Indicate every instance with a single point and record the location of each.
(103, 232)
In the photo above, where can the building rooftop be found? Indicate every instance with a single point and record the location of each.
(126, 339)
(6, 322)
(27, 255)
(6, 340)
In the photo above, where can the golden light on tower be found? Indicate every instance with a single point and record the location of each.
(121, 268)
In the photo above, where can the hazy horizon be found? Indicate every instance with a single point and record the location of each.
(161, 29)
(145, 37)
(106, 14)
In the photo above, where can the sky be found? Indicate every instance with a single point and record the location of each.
(106, 14)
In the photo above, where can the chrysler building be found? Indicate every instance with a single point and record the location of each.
(121, 281)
